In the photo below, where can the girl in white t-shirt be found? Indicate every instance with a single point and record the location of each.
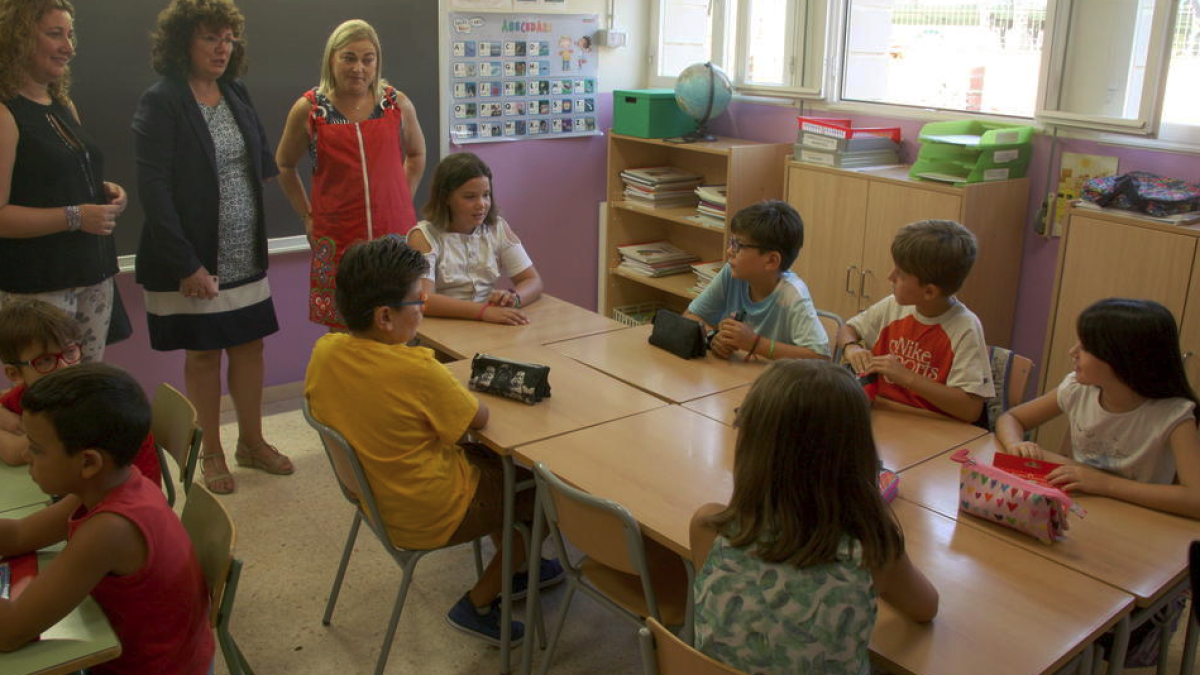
(469, 247)
(1132, 414)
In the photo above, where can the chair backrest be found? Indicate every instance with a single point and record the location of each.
(832, 323)
(602, 529)
(213, 536)
(1194, 573)
(350, 475)
(176, 432)
(1011, 374)
(665, 654)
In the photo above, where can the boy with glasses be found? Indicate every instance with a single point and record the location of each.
(756, 303)
(36, 339)
(404, 414)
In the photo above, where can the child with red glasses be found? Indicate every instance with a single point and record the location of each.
(36, 339)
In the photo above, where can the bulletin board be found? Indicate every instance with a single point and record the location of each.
(516, 77)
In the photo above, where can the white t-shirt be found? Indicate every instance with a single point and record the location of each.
(1134, 444)
(948, 348)
(467, 266)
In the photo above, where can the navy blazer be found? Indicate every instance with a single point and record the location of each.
(178, 184)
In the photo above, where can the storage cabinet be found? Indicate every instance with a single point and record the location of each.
(851, 217)
(1105, 255)
(752, 171)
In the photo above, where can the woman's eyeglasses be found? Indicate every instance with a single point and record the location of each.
(213, 40)
(48, 362)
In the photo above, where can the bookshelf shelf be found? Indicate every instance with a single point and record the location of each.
(752, 172)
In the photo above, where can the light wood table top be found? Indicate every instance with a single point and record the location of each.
(1138, 550)
(1002, 610)
(81, 639)
(580, 397)
(628, 356)
(550, 320)
(663, 464)
(902, 439)
(17, 489)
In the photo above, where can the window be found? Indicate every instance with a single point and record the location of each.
(977, 56)
(767, 46)
(1181, 105)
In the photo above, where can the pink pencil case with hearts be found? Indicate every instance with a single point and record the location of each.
(1003, 498)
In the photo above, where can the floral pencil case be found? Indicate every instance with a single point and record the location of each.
(996, 495)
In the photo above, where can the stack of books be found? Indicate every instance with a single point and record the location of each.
(655, 259)
(712, 204)
(661, 186)
(704, 274)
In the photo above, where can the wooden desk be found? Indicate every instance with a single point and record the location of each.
(580, 397)
(1138, 550)
(17, 489)
(902, 439)
(665, 463)
(550, 319)
(628, 356)
(81, 639)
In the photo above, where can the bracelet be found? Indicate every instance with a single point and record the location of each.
(517, 302)
(771, 354)
(482, 310)
(74, 218)
(750, 354)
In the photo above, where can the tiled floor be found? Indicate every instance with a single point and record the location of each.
(290, 535)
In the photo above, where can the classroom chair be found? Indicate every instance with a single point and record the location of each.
(832, 323)
(634, 577)
(214, 536)
(176, 433)
(1188, 663)
(355, 488)
(663, 653)
(1011, 376)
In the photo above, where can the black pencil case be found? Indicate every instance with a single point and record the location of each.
(526, 382)
(678, 334)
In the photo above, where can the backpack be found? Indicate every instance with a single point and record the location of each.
(1145, 192)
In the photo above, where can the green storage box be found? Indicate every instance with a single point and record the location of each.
(649, 113)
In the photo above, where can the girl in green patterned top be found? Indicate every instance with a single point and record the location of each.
(789, 571)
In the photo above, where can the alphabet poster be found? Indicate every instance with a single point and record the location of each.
(521, 76)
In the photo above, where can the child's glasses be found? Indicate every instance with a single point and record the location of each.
(422, 298)
(48, 362)
(736, 245)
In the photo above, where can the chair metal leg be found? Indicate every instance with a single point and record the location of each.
(477, 547)
(562, 621)
(341, 573)
(533, 604)
(229, 650)
(506, 564)
(1188, 663)
(410, 568)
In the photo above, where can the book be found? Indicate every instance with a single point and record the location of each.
(705, 272)
(663, 270)
(657, 175)
(655, 252)
(713, 194)
(1035, 470)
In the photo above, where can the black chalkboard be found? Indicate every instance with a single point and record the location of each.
(285, 42)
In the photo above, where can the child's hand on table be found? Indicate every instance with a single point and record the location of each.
(1027, 449)
(1080, 478)
(504, 315)
(501, 298)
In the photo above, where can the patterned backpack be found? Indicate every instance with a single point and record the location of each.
(1145, 192)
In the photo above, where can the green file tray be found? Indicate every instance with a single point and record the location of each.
(962, 173)
(989, 159)
(977, 134)
(649, 113)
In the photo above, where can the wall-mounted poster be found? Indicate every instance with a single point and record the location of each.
(519, 76)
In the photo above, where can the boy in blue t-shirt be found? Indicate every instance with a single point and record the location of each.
(779, 319)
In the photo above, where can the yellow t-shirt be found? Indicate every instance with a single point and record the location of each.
(403, 412)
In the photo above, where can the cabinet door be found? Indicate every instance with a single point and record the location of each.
(1105, 259)
(1189, 331)
(889, 208)
(834, 210)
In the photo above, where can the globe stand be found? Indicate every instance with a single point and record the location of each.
(701, 133)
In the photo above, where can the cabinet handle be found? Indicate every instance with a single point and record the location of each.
(862, 284)
(849, 291)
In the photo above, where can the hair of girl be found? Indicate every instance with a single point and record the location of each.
(1139, 340)
(451, 173)
(805, 470)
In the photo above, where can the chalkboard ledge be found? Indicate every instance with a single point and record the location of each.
(274, 246)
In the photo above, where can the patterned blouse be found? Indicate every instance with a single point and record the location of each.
(774, 618)
(332, 115)
(237, 214)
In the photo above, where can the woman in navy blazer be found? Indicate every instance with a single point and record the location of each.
(202, 159)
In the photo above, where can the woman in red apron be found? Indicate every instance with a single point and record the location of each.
(367, 152)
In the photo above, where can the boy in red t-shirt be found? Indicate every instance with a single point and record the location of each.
(37, 338)
(926, 347)
(125, 547)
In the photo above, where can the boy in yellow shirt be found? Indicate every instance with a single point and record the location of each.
(404, 413)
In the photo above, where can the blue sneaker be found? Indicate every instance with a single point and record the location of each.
(550, 573)
(463, 616)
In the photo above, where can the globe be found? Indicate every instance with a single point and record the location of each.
(703, 92)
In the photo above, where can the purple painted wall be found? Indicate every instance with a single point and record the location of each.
(778, 124)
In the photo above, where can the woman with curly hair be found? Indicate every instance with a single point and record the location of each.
(57, 214)
(202, 159)
(367, 154)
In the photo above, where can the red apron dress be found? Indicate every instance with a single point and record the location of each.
(359, 192)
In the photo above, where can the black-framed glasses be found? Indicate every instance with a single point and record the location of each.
(48, 362)
(736, 245)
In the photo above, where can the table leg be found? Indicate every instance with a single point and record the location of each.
(1189, 642)
(1120, 646)
(506, 571)
(533, 607)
